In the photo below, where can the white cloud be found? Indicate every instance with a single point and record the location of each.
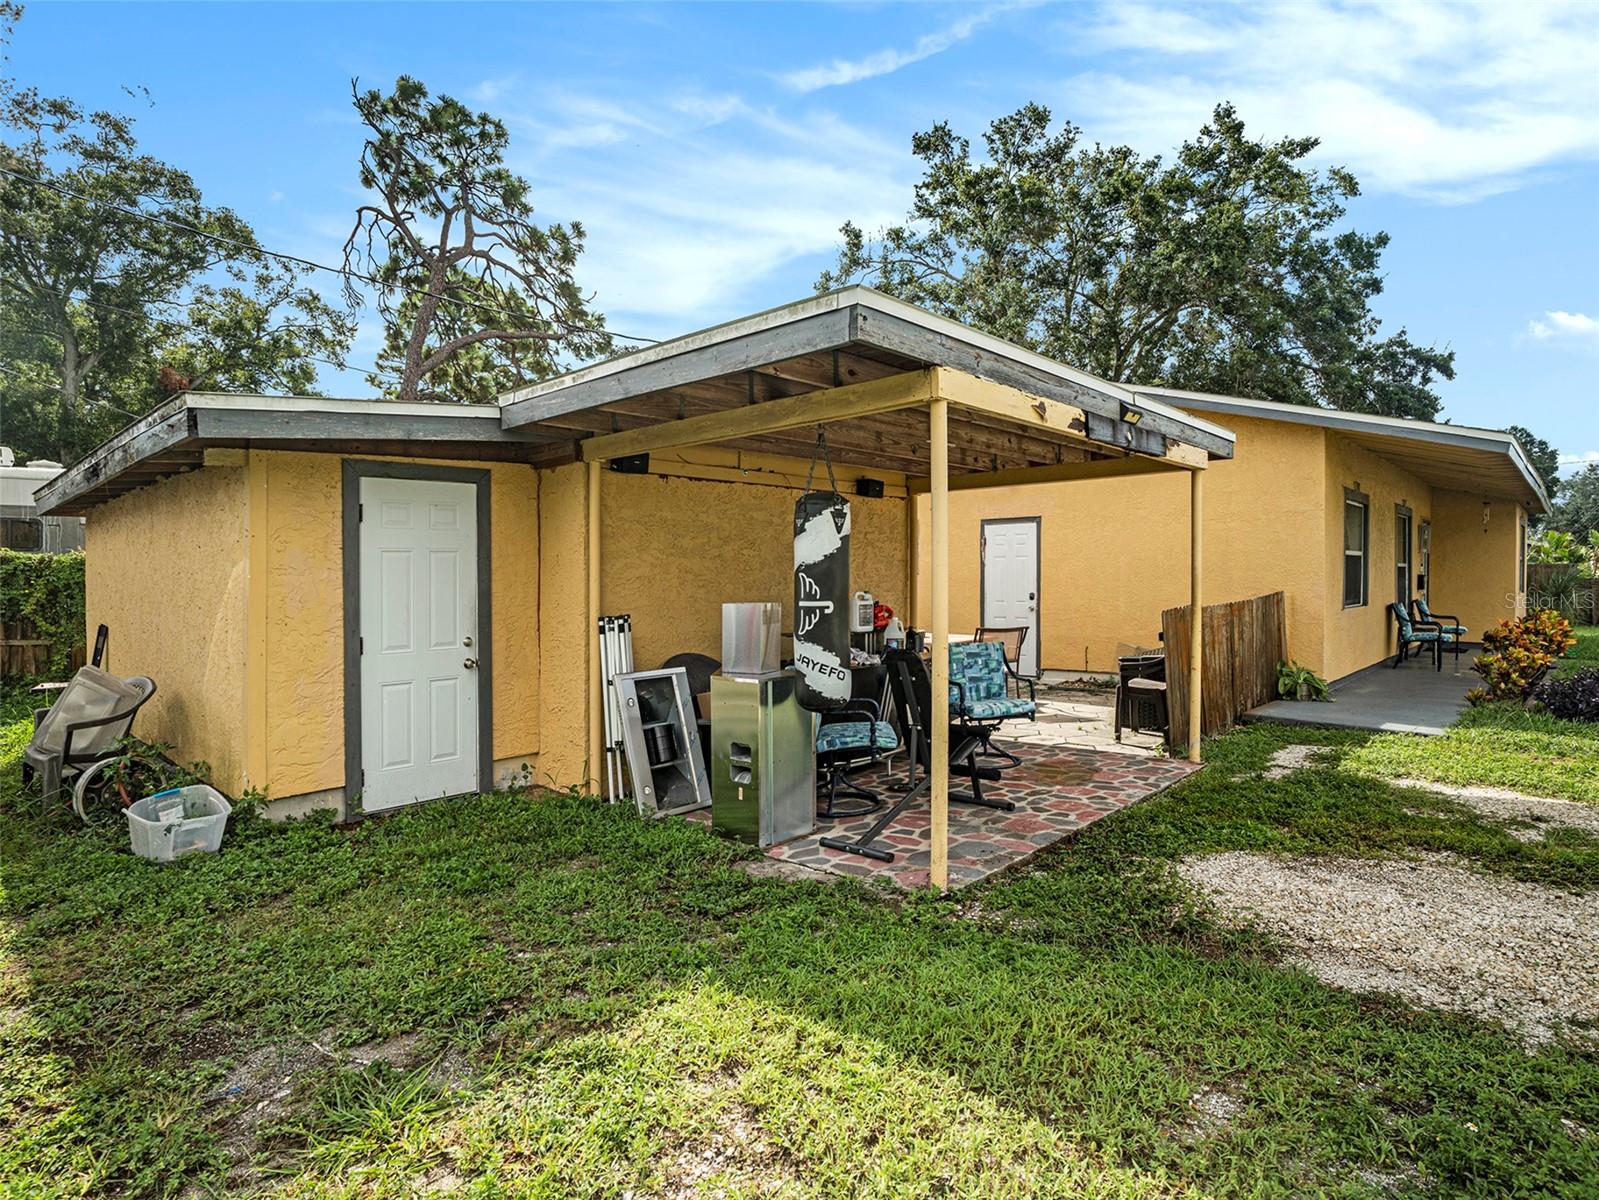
(841, 71)
(1449, 101)
(699, 199)
(1557, 326)
(1579, 460)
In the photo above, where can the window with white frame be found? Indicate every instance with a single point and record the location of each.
(1357, 536)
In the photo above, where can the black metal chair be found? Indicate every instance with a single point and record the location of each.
(1412, 633)
(1141, 694)
(83, 726)
(1422, 614)
(912, 688)
(853, 738)
(699, 668)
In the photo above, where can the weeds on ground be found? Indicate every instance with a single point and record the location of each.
(627, 1010)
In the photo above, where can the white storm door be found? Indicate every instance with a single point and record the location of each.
(419, 636)
(1010, 582)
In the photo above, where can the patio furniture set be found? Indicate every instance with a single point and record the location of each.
(1420, 628)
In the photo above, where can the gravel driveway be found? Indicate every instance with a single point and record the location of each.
(1429, 930)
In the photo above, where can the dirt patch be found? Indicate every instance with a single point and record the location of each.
(1530, 817)
(776, 868)
(1289, 759)
(733, 1158)
(265, 1086)
(1431, 931)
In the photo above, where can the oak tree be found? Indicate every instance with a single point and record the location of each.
(1227, 268)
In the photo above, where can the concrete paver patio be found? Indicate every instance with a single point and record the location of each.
(1073, 772)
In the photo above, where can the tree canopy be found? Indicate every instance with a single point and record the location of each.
(476, 295)
(1577, 510)
(1227, 269)
(1545, 458)
(118, 283)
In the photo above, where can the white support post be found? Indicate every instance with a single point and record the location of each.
(596, 684)
(1196, 602)
(938, 428)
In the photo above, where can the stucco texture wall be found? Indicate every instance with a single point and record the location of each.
(676, 549)
(166, 572)
(297, 502)
(1475, 565)
(673, 550)
(1362, 635)
(1115, 552)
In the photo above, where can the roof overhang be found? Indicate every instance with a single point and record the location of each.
(174, 437)
(848, 336)
(1458, 458)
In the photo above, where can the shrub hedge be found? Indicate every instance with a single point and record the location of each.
(46, 589)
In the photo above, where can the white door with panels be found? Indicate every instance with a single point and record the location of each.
(419, 640)
(1010, 582)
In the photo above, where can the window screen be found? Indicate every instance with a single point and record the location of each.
(1356, 525)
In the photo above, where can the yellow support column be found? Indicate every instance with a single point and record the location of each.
(938, 426)
(1196, 601)
(596, 705)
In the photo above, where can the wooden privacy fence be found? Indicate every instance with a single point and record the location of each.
(1562, 586)
(25, 653)
(1244, 642)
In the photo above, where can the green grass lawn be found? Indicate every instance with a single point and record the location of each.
(1584, 654)
(594, 1005)
(1496, 745)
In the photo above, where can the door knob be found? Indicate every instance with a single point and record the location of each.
(470, 664)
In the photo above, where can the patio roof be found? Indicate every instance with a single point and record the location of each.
(821, 347)
(1456, 457)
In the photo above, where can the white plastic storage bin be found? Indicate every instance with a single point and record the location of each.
(184, 820)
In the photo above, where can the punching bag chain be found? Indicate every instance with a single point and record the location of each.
(821, 449)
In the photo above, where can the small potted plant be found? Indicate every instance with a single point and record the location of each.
(1295, 682)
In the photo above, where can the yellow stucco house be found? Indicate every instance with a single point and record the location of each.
(361, 603)
(1342, 512)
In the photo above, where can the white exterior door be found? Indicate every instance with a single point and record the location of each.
(419, 640)
(1010, 582)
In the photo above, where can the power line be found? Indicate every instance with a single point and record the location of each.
(342, 272)
(189, 325)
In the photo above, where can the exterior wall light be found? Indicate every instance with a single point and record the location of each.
(1131, 415)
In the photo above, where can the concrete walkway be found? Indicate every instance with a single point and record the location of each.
(1412, 699)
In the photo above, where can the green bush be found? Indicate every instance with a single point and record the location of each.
(46, 589)
(1516, 654)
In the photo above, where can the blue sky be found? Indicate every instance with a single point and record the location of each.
(713, 150)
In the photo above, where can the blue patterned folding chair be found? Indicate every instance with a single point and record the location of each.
(1418, 635)
(979, 693)
(1421, 613)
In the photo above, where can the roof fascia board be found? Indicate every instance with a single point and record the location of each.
(146, 438)
(954, 346)
(745, 350)
(1463, 436)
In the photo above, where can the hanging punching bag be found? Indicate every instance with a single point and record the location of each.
(821, 600)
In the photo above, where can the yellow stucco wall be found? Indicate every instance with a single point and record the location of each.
(1114, 552)
(1475, 565)
(1359, 636)
(674, 549)
(565, 648)
(297, 511)
(166, 572)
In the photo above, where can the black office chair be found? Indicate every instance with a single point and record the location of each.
(699, 668)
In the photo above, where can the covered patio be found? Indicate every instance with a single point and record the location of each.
(894, 391)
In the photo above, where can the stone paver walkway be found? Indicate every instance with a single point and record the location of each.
(1058, 790)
